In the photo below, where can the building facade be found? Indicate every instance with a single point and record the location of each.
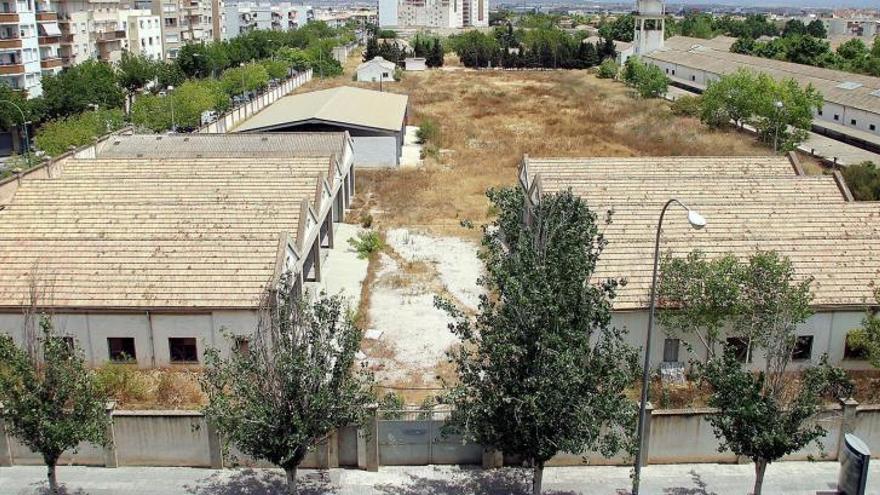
(439, 14)
(184, 21)
(20, 63)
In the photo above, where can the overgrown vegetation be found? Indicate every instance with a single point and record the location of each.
(608, 69)
(863, 180)
(59, 136)
(366, 244)
(867, 338)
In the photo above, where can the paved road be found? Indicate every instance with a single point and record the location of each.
(787, 478)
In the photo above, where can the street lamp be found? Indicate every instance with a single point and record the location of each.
(27, 142)
(779, 106)
(243, 91)
(171, 99)
(697, 222)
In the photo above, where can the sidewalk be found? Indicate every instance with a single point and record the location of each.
(785, 478)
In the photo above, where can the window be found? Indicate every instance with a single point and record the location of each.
(820, 113)
(740, 349)
(183, 350)
(872, 127)
(673, 72)
(122, 349)
(852, 122)
(803, 348)
(836, 117)
(854, 351)
(384, 75)
(670, 350)
(693, 78)
(242, 345)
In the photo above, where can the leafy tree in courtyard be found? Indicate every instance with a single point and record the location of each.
(647, 79)
(134, 72)
(698, 297)
(867, 338)
(295, 383)
(51, 402)
(732, 98)
(541, 370)
(767, 415)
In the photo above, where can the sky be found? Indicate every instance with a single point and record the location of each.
(788, 3)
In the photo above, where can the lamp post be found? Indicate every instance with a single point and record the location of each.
(171, 99)
(243, 90)
(779, 106)
(697, 222)
(27, 142)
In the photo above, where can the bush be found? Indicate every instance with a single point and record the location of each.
(863, 180)
(58, 136)
(608, 69)
(393, 402)
(428, 132)
(367, 243)
(648, 80)
(687, 106)
(122, 382)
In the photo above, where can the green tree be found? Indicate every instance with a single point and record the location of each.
(189, 101)
(276, 69)
(9, 116)
(297, 59)
(698, 298)
(647, 79)
(168, 75)
(80, 87)
(608, 69)
(134, 72)
(868, 337)
(784, 112)
(732, 97)
(620, 29)
(540, 369)
(51, 402)
(294, 385)
(794, 27)
(250, 77)
(436, 54)
(60, 135)
(816, 28)
(767, 415)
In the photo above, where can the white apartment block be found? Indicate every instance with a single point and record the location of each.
(184, 21)
(29, 42)
(433, 13)
(144, 33)
(242, 17)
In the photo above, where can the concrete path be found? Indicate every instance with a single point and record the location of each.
(787, 478)
(343, 272)
(411, 153)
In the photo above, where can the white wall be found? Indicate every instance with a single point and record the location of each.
(375, 73)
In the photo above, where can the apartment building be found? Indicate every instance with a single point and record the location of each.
(20, 44)
(475, 13)
(103, 30)
(144, 33)
(242, 17)
(184, 21)
(441, 14)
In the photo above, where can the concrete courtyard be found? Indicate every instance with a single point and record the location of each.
(786, 478)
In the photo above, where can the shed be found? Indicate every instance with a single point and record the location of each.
(376, 70)
(414, 64)
(375, 120)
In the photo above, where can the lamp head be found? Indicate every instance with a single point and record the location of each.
(696, 220)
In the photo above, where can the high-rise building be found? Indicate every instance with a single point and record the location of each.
(27, 31)
(433, 13)
(243, 16)
(185, 21)
(475, 13)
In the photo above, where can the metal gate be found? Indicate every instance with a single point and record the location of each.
(408, 438)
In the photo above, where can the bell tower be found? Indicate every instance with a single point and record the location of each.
(650, 17)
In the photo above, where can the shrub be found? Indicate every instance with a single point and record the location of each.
(367, 243)
(393, 402)
(366, 220)
(250, 77)
(57, 136)
(608, 69)
(863, 180)
(178, 390)
(687, 106)
(648, 80)
(428, 132)
(122, 382)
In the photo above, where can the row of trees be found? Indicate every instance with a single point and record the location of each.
(550, 48)
(781, 111)
(804, 48)
(428, 47)
(541, 369)
(244, 64)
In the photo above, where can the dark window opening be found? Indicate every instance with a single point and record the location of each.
(670, 350)
(836, 117)
(803, 348)
(820, 112)
(872, 127)
(852, 122)
(242, 345)
(740, 348)
(122, 349)
(673, 72)
(854, 351)
(693, 78)
(183, 350)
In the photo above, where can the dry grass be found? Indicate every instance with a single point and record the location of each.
(132, 388)
(489, 119)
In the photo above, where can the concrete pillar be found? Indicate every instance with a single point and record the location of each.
(492, 459)
(368, 442)
(332, 451)
(215, 447)
(110, 459)
(847, 421)
(646, 440)
(5, 449)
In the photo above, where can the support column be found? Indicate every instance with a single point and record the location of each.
(492, 459)
(645, 448)
(110, 459)
(847, 421)
(215, 447)
(368, 442)
(332, 451)
(5, 448)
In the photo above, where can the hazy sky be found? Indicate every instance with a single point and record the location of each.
(789, 3)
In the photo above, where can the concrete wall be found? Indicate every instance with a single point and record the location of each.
(183, 438)
(376, 151)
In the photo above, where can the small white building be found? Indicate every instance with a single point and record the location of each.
(414, 64)
(376, 70)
